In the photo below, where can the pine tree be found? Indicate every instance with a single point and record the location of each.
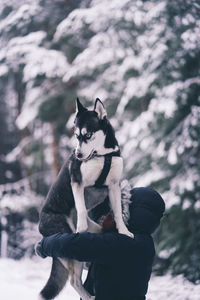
(31, 77)
(180, 143)
(143, 60)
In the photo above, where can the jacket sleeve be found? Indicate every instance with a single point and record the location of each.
(94, 247)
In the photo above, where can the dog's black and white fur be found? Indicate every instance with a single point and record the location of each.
(95, 141)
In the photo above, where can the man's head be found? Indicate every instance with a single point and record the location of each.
(146, 210)
(142, 209)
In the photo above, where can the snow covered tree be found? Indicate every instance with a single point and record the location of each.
(180, 147)
(142, 59)
(31, 75)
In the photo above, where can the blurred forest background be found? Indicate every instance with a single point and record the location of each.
(142, 59)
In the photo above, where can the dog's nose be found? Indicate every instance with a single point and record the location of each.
(79, 155)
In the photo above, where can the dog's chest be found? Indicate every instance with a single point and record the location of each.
(92, 169)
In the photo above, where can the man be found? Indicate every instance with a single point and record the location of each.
(121, 266)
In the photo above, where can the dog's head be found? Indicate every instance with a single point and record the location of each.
(90, 130)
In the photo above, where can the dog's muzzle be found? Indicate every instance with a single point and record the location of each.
(79, 156)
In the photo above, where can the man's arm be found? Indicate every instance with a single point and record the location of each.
(87, 246)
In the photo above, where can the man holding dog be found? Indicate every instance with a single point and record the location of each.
(120, 266)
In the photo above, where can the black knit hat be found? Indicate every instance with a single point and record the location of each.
(146, 209)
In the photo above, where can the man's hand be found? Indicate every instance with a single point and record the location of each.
(108, 224)
(38, 249)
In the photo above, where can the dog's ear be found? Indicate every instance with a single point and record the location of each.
(79, 107)
(99, 108)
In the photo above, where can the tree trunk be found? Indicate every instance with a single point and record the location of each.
(55, 150)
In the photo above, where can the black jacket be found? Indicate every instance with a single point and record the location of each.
(121, 266)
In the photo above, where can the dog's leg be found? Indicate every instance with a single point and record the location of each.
(115, 201)
(75, 270)
(78, 191)
(93, 226)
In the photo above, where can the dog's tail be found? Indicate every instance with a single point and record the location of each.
(56, 282)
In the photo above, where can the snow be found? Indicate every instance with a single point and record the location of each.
(26, 277)
(190, 37)
(172, 156)
(30, 107)
(172, 288)
(17, 151)
(96, 17)
(149, 177)
(17, 203)
(35, 38)
(3, 70)
(41, 61)
(21, 17)
(4, 236)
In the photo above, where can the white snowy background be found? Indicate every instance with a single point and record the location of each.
(25, 278)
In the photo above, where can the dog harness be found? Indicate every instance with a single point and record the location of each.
(106, 168)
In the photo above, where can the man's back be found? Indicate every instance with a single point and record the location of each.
(126, 269)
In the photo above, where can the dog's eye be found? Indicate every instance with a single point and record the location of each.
(88, 135)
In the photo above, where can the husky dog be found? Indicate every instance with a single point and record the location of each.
(95, 140)
(95, 163)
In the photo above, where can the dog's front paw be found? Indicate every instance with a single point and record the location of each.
(126, 232)
(81, 227)
(88, 298)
